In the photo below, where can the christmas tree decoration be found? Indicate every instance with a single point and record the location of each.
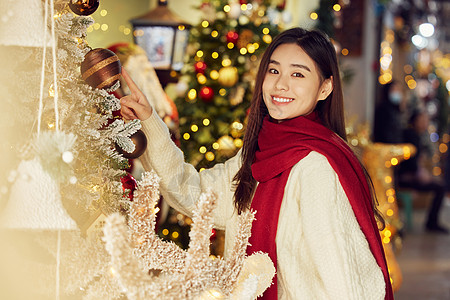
(175, 273)
(228, 76)
(140, 144)
(129, 185)
(232, 37)
(101, 69)
(206, 94)
(84, 7)
(200, 67)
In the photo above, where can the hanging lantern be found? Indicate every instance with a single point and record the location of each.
(164, 37)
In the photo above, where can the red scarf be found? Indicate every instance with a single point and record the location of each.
(281, 146)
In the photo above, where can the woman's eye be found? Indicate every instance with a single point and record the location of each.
(273, 71)
(296, 74)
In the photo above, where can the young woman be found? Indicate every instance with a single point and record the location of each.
(315, 213)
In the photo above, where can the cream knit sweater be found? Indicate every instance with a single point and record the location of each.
(321, 251)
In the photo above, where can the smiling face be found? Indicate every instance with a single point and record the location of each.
(292, 85)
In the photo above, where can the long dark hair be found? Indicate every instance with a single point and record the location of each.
(331, 111)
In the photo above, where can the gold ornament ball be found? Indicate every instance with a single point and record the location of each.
(140, 141)
(101, 68)
(228, 76)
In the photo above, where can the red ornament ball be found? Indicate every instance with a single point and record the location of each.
(200, 67)
(128, 183)
(140, 141)
(84, 7)
(206, 93)
(101, 68)
(232, 37)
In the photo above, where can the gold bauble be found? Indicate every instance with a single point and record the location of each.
(228, 76)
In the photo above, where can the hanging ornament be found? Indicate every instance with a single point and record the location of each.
(206, 94)
(140, 141)
(101, 68)
(83, 7)
(228, 76)
(245, 38)
(128, 185)
(200, 67)
(232, 37)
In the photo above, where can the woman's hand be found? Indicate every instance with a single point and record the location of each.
(135, 105)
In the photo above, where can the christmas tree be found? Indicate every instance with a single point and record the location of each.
(62, 146)
(216, 84)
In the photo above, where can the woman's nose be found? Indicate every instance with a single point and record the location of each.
(282, 83)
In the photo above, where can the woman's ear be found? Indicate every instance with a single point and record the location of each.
(325, 89)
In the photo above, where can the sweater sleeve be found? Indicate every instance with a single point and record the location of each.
(332, 258)
(181, 184)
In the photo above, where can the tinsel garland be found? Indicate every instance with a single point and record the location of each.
(148, 268)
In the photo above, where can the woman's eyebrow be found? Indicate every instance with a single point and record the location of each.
(293, 65)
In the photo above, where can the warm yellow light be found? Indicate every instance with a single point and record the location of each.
(265, 30)
(215, 55)
(127, 31)
(408, 78)
(205, 23)
(394, 161)
(412, 84)
(387, 233)
(446, 138)
(267, 39)
(237, 125)
(104, 27)
(214, 75)
(199, 53)
(336, 7)
(230, 45)
(437, 171)
(215, 146)
(51, 125)
(175, 234)
(387, 50)
(192, 94)
(389, 212)
(344, 51)
(194, 128)
(238, 143)
(206, 122)
(202, 169)
(226, 62)
(390, 192)
(261, 13)
(387, 164)
(165, 231)
(103, 12)
(243, 51)
(244, 6)
(186, 136)
(251, 48)
(226, 8)
(96, 26)
(222, 92)
(201, 79)
(202, 149)
(408, 69)
(443, 148)
(386, 240)
(209, 156)
(387, 77)
(314, 16)
(214, 33)
(391, 199)
(388, 179)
